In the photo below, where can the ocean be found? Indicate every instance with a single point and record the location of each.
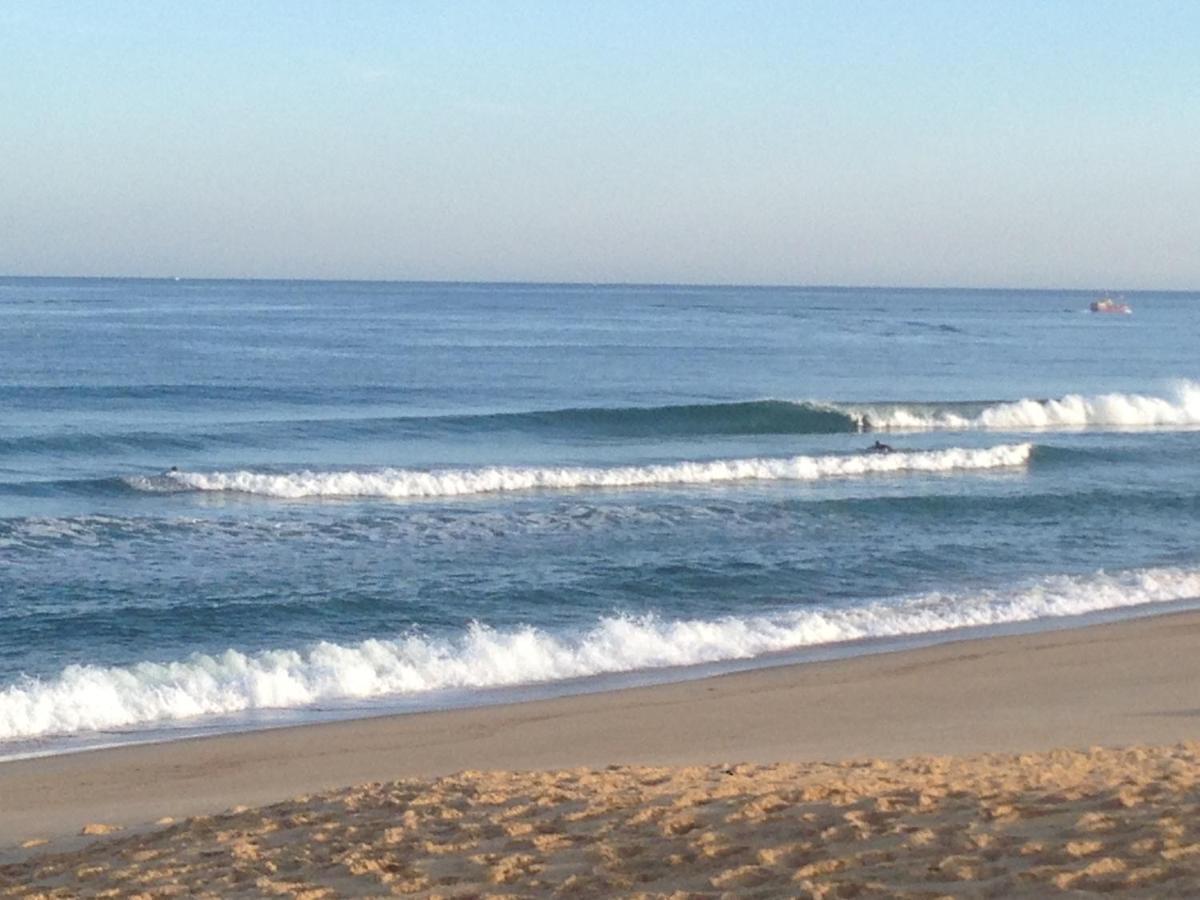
(232, 504)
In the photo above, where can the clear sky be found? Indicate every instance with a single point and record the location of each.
(908, 143)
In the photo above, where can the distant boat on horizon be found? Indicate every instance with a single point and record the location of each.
(1109, 305)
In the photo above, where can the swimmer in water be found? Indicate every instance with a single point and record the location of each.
(880, 447)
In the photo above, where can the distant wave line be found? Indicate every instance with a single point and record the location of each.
(1178, 408)
(415, 484)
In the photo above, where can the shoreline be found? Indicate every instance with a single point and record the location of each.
(459, 699)
(1113, 684)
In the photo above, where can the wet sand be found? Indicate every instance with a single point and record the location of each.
(733, 796)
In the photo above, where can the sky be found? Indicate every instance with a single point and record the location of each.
(1007, 144)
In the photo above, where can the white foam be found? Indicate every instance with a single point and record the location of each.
(86, 697)
(412, 483)
(1180, 409)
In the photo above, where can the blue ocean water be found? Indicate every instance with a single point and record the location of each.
(227, 503)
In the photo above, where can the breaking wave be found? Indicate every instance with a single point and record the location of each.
(90, 697)
(1180, 409)
(411, 483)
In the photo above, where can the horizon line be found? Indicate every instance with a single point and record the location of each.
(597, 284)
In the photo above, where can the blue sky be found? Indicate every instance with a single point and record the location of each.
(936, 143)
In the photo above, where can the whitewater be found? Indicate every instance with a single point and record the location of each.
(91, 698)
(225, 505)
(1179, 408)
(402, 484)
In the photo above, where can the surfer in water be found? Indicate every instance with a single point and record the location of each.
(880, 447)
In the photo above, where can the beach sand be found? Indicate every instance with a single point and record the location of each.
(943, 780)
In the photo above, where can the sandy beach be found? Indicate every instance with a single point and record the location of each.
(971, 767)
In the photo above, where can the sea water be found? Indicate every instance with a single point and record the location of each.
(229, 503)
